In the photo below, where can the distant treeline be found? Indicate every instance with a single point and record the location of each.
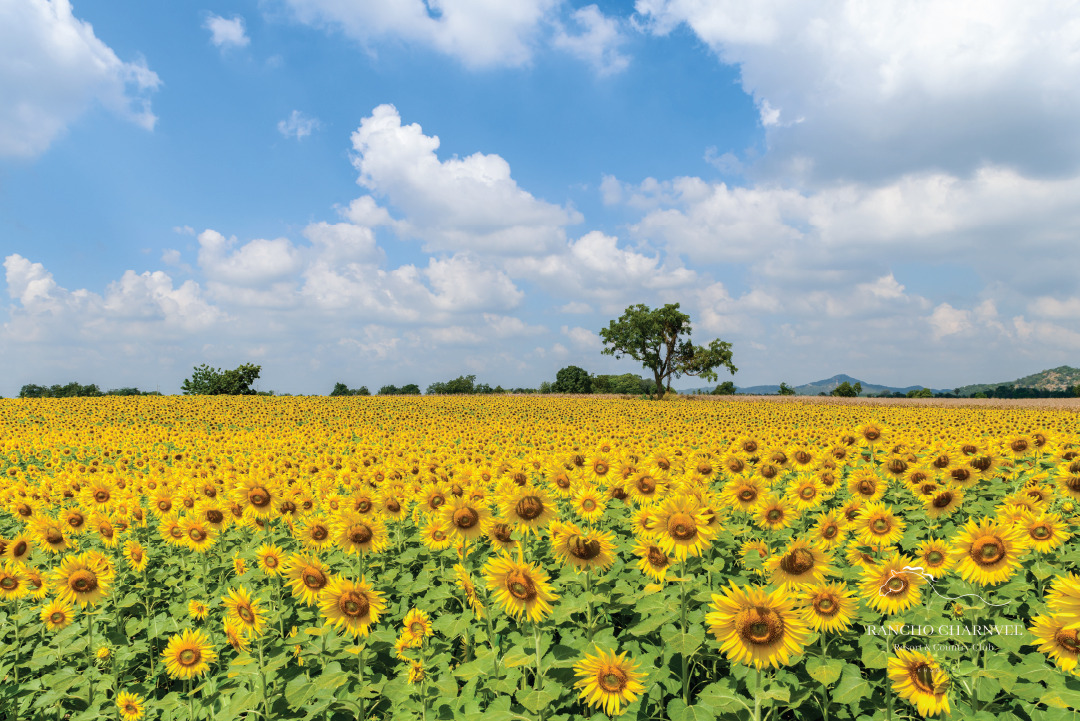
(77, 390)
(1002, 391)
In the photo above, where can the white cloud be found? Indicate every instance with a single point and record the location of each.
(298, 125)
(946, 320)
(343, 242)
(479, 33)
(463, 284)
(598, 42)
(456, 204)
(53, 68)
(576, 306)
(227, 33)
(886, 88)
(582, 337)
(886, 287)
(1049, 307)
(254, 264)
(508, 326)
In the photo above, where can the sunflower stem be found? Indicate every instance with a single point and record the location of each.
(824, 687)
(17, 645)
(539, 669)
(89, 659)
(888, 686)
(190, 701)
(682, 616)
(262, 679)
(757, 697)
(588, 601)
(360, 649)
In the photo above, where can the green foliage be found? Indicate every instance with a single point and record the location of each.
(71, 390)
(980, 395)
(786, 390)
(727, 388)
(572, 379)
(1075, 390)
(625, 384)
(660, 340)
(545, 387)
(462, 385)
(846, 390)
(920, 393)
(207, 381)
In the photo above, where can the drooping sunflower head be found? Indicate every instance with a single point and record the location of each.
(242, 610)
(1057, 641)
(757, 627)
(464, 581)
(918, 678)
(188, 654)
(652, 560)
(353, 606)
(521, 588)
(234, 634)
(987, 552)
(608, 681)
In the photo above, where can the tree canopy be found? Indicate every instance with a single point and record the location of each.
(660, 340)
(207, 381)
(572, 379)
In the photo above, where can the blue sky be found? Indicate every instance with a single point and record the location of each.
(405, 192)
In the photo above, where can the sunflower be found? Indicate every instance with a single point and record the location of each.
(806, 494)
(307, 577)
(529, 509)
(82, 579)
(130, 706)
(499, 535)
(866, 484)
(313, 531)
(609, 681)
(257, 497)
(242, 610)
(652, 561)
(465, 518)
(57, 614)
(417, 626)
(1056, 641)
(589, 504)
(934, 558)
(918, 678)
(234, 634)
(682, 527)
(876, 525)
(435, 535)
(171, 531)
(828, 532)
(800, 564)
(774, 513)
(19, 548)
(521, 588)
(188, 654)
(829, 606)
(199, 536)
(757, 627)
(944, 502)
(271, 559)
(582, 549)
(35, 584)
(198, 610)
(464, 581)
(646, 487)
(743, 493)
(891, 587)
(49, 533)
(1064, 599)
(351, 606)
(354, 532)
(13, 581)
(748, 549)
(987, 552)
(1045, 531)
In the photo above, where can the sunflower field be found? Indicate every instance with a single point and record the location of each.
(536, 558)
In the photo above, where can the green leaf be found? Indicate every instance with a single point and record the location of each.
(852, 686)
(298, 691)
(824, 670)
(687, 644)
(534, 700)
(722, 697)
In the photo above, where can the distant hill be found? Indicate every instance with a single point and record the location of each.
(1055, 379)
(825, 386)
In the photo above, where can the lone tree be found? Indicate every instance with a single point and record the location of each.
(660, 340)
(207, 381)
(572, 379)
(785, 390)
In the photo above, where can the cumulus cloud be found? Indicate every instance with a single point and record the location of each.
(477, 33)
(227, 32)
(53, 68)
(467, 203)
(598, 42)
(298, 125)
(847, 90)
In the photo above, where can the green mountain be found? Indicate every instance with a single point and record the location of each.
(1055, 379)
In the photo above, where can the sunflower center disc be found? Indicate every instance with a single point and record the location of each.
(747, 495)
(923, 678)
(935, 558)
(981, 463)
(24, 510)
(774, 515)
(682, 527)
(196, 535)
(101, 496)
(880, 525)
(987, 551)
(896, 585)
(215, 516)
(1040, 533)
(960, 474)
(520, 586)
(942, 500)
(1068, 640)
(319, 533)
(363, 505)
(245, 614)
(826, 606)
(288, 507)
(189, 657)
(501, 531)
(584, 548)
(657, 557)
(797, 562)
(529, 507)
(612, 680)
(829, 531)
(19, 548)
(759, 626)
(466, 517)
(360, 534)
(353, 604)
(807, 493)
(588, 505)
(83, 582)
(8, 583)
(866, 488)
(803, 457)
(270, 562)
(56, 618)
(75, 520)
(393, 506)
(646, 484)
(313, 578)
(259, 497)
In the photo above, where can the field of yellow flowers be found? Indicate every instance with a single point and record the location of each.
(535, 558)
